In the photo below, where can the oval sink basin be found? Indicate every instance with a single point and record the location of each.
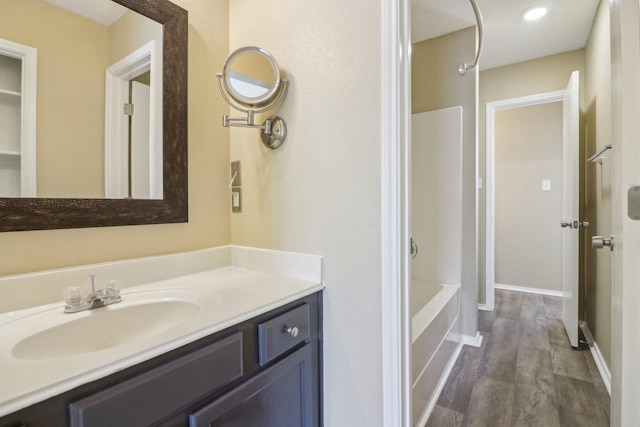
(104, 328)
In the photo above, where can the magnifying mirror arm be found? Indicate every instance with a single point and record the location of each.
(274, 129)
(245, 122)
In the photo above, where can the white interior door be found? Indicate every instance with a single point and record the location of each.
(140, 142)
(570, 206)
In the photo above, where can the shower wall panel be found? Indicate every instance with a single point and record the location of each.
(436, 195)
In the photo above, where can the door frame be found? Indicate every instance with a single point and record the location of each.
(116, 128)
(625, 268)
(491, 109)
(395, 128)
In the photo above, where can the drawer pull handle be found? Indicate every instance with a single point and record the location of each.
(292, 331)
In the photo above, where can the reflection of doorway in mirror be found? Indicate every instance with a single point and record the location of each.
(17, 119)
(139, 165)
(133, 129)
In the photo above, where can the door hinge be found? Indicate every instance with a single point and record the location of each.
(633, 203)
(128, 109)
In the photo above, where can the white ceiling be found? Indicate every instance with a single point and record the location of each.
(104, 12)
(508, 38)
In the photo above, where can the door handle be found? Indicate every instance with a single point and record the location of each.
(414, 248)
(600, 242)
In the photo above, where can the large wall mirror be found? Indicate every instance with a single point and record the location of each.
(108, 138)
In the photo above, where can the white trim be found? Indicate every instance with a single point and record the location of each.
(625, 269)
(491, 108)
(603, 369)
(28, 96)
(395, 151)
(484, 307)
(538, 291)
(472, 341)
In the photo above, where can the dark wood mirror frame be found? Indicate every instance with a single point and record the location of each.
(20, 214)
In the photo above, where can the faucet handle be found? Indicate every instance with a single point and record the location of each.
(112, 288)
(72, 295)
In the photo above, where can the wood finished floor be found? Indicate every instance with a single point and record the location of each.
(525, 373)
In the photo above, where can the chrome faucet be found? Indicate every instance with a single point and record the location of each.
(110, 294)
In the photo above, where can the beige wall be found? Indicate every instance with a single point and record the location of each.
(436, 84)
(598, 180)
(72, 57)
(528, 240)
(208, 174)
(541, 75)
(320, 192)
(131, 32)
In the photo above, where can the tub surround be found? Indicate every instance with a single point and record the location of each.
(436, 343)
(437, 288)
(229, 284)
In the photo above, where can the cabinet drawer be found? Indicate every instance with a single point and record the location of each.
(152, 396)
(282, 333)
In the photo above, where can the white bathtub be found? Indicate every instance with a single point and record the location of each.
(436, 343)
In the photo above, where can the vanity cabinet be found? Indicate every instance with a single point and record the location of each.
(262, 372)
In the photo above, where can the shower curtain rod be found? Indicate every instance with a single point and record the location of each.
(594, 158)
(463, 68)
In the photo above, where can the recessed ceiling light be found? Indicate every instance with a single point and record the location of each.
(534, 13)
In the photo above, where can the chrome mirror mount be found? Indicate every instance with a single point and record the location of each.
(251, 82)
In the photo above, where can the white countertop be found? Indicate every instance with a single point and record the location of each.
(226, 296)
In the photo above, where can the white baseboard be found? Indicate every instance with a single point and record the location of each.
(484, 307)
(472, 341)
(602, 366)
(528, 290)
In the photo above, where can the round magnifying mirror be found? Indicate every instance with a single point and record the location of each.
(252, 77)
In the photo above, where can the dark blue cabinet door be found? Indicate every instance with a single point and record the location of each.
(148, 398)
(280, 396)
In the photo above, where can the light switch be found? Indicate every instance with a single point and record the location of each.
(236, 187)
(546, 185)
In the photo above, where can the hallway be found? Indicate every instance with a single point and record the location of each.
(525, 373)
